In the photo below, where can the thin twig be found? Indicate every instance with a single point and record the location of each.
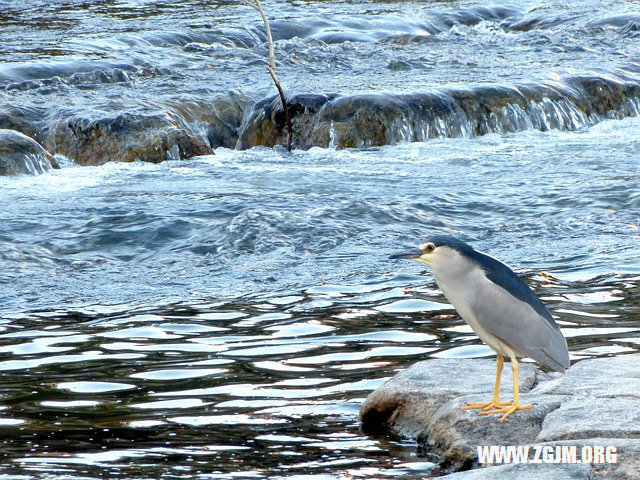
(271, 67)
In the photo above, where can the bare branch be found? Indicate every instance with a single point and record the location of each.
(271, 67)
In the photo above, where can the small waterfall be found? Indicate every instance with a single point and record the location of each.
(484, 110)
(363, 121)
(333, 137)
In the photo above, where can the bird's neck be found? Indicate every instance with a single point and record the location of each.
(455, 283)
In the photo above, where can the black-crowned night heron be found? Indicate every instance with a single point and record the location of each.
(502, 310)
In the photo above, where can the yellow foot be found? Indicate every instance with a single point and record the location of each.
(485, 405)
(507, 410)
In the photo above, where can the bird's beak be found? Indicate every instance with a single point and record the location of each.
(414, 255)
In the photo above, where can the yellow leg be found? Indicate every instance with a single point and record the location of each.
(512, 407)
(485, 406)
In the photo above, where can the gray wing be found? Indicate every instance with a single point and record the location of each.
(520, 326)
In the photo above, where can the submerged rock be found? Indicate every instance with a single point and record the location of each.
(23, 119)
(217, 120)
(21, 155)
(178, 128)
(583, 407)
(384, 119)
(126, 137)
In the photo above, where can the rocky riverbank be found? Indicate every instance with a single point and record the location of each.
(597, 402)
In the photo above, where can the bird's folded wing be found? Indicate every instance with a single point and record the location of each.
(517, 324)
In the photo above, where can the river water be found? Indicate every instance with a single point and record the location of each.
(224, 316)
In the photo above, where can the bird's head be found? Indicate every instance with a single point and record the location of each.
(438, 251)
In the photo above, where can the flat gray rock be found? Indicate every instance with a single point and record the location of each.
(600, 377)
(592, 417)
(406, 403)
(540, 471)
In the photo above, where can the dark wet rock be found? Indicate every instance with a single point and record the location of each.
(217, 121)
(342, 122)
(540, 471)
(595, 403)
(535, 22)
(21, 155)
(615, 21)
(383, 119)
(126, 137)
(27, 120)
(178, 129)
(604, 96)
(265, 124)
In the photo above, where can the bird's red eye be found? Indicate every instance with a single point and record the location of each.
(430, 247)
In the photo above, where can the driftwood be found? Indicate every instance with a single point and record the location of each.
(271, 66)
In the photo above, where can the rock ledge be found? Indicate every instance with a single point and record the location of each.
(584, 407)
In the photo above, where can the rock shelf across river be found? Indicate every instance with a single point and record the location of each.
(180, 129)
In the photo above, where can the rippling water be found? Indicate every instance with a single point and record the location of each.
(224, 316)
(227, 315)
